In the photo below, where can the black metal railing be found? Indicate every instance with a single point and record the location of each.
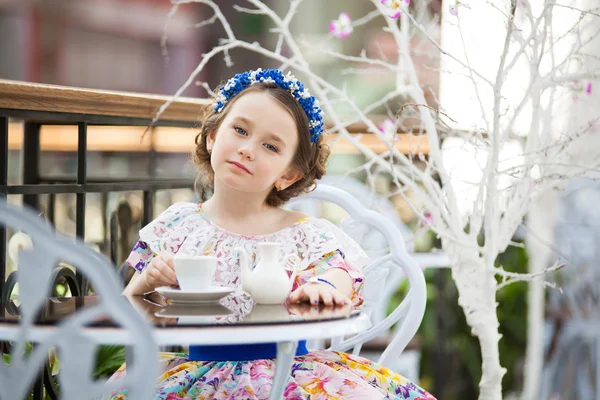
(39, 105)
(36, 184)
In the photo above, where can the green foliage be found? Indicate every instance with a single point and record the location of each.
(61, 290)
(253, 24)
(512, 314)
(108, 359)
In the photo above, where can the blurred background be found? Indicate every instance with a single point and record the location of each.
(119, 45)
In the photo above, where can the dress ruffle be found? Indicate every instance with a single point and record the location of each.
(318, 375)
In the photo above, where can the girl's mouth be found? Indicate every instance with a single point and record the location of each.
(240, 166)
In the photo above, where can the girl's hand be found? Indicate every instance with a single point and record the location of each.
(316, 312)
(160, 272)
(318, 292)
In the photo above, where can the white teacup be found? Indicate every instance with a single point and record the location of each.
(195, 273)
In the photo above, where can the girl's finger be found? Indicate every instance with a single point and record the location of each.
(159, 275)
(153, 277)
(339, 299)
(163, 280)
(326, 297)
(169, 272)
(295, 297)
(344, 299)
(159, 265)
(168, 259)
(312, 294)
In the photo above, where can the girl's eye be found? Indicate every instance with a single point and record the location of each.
(272, 148)
(240, 130)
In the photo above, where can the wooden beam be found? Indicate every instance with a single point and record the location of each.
(38, 97)
(175, 140)
(62, 99)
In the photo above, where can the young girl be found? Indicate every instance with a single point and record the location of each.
(260, 147)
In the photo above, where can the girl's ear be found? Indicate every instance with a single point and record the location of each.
(210, 140)
(288, 179)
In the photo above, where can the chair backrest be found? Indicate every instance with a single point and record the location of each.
(409, 313)
(371, 240)
(74, 344)
(577, 238)
(385, 280)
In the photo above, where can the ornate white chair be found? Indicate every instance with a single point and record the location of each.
(572, 369)
(409, 313)
(75, 343)
(388, 277)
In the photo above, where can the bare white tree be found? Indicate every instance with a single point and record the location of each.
(518, 141)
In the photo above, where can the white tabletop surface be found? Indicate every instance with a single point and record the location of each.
(320, 326)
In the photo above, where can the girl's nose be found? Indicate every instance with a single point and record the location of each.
(246, 152)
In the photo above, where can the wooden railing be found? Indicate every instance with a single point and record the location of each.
(96, 105)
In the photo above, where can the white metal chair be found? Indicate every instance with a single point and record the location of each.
(74, 345)
(386, 279)
(574, 367)
(409, 313)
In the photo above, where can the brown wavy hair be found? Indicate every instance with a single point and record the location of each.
(310, 159)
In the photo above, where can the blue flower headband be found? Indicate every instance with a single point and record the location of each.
(288, 82)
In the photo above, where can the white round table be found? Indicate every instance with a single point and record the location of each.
(272, 325)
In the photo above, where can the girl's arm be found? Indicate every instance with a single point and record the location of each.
(159, 272)
(136, 286)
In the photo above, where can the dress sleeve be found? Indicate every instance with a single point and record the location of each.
(322, 246)
(164, 234)
(140, 256)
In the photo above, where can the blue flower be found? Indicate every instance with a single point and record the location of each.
(309, 103)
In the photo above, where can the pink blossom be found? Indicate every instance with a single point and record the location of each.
(580, 87)
(341, 27)
(389, 129)
(428, 219)
(394, 7)
(453, 7)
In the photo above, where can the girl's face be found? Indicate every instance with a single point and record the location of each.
(255, 144)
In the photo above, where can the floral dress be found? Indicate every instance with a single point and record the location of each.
(319, 374)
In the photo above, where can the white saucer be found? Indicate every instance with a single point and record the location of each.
(210, 295)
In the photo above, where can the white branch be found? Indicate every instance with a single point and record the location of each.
(512, 277)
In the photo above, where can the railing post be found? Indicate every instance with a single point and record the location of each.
(81, 181)
(31, 164)
(3, 197)
(148, 207)
(149, 194)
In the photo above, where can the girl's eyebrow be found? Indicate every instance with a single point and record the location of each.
(276, 139)
(271, 135)
(244, 120)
